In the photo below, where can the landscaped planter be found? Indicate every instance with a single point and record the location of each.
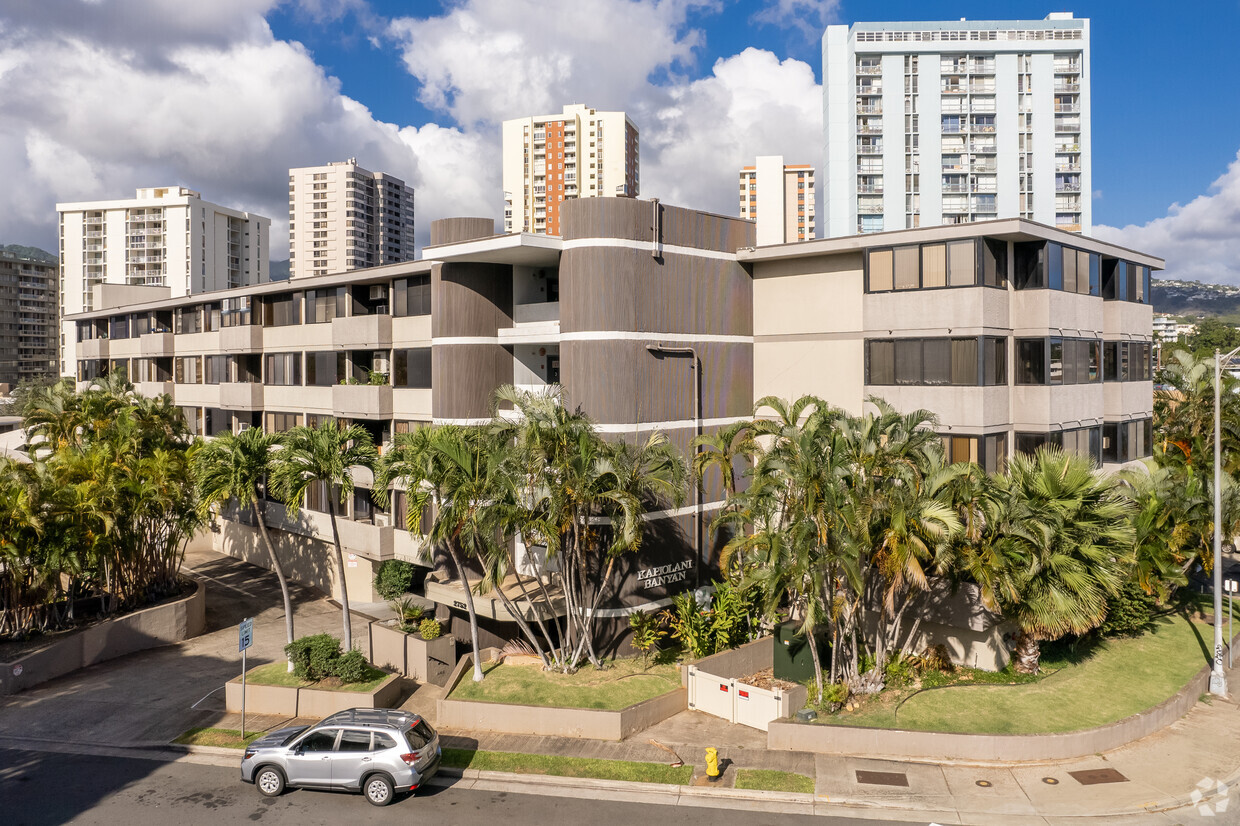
(292, 701)
(585, 723)
(427, 661)
(106, 640)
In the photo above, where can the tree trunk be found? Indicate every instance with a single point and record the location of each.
(812, 638)
(1027, 654)
(344, 588)
(469, 606)
(279, 571)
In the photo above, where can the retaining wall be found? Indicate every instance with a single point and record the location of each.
(583, 723)
(291, 701)
(111, 638)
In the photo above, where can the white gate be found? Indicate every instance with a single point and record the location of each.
(738, 702)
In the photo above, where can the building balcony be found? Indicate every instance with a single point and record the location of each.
(247, 338)
(156, 344)
(869, 108)
(374, 542)
(153, 389)
(362, 401)
(1067, 88)
(1068, 108)
(869, 70)
(870, 189)
(241, 395)
(95, 348)
(533, 323)
(364, 332)
(869, 149)
(1069, 227)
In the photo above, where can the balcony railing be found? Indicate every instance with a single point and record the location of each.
(869, 130)
(1067, 87)
(874, 189)
(1068, 108)
(869, 149)
(870, 209)
(869, 70)
(869, 108)
(1067, 167)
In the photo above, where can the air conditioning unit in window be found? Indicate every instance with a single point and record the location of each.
(378, 292)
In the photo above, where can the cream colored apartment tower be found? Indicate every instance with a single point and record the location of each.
(162, 237)
(780, 198)
(581, 153)
(343, 217)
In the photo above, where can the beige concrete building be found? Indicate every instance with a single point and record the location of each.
(548, 159)
(342, 217)
(653, 317)
(780, 198)
(167, 238)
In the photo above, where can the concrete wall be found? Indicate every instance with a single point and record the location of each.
(736, 662)
(309, 702)
(901, 744)
(148, 628)
(583, 723)
(427, 661)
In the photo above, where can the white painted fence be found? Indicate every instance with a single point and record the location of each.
(738, 702)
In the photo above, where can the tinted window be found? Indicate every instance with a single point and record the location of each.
(353, 740)
(382, 741)
(319, 741)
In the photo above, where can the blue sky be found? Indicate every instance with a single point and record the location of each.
(98, 97)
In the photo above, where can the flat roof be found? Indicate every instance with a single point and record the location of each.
(526, 249)
(1007, 229)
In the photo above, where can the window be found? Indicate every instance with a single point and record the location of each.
(934, 265)
(324, 369)
(994, 354)
(324, 305)
(1126, 441)
(905, 267)
(354, 740)
(1054, 266)
(188, 370)
(938, 363)
(412, 368)
(382, 741)
(932, 361)
(236, 312)
(412, 296)
(280, 422)
(189, 320)
(118, 327)
(962, 264)
(282, 310)
(211, 317)
(880, 270)
(282, 369)
(319, 741)
(964, 362)
(1030, 361)
(881, 362)
(218, 421)
(908, 361)
(990, 452)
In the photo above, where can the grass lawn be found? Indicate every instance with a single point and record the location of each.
(1118, 678)
(226, 737)
(278, 674)
(774, 781)
(622, 684)
(557, 766)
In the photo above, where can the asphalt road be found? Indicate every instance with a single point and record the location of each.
(37, 789)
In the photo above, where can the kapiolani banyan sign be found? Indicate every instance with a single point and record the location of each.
(663, 575)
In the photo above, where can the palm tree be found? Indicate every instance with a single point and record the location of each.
(454, 469)
(1184, 415)
(232, 467)
(721, 450)
(1075, 551)
(324, 455)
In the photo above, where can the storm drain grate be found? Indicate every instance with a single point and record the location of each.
(1095, 776)
(882, 778)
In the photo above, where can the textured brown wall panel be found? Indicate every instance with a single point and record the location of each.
(634, 219)
(470, 299)
(453, 230)
(464, 378)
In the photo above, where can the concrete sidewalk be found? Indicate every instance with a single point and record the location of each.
(139, 703)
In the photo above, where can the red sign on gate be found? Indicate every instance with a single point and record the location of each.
(723, 688)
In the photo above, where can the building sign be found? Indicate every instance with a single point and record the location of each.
(663, 575)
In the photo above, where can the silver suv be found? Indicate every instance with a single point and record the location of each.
(380, 752)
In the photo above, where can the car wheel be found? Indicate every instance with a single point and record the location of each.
(270, 781)
(378, 790)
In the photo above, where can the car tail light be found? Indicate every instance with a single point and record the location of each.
(410, 758)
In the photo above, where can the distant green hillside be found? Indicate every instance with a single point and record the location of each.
(1192, 298)
(279, 270)
(33, 253)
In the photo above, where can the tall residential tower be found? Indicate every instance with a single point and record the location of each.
(951, 122)
(343, 217)
(581, 153)
(779, 197)
(27, 318)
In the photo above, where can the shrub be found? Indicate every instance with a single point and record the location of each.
(429, 629)
(835, 693)
(352, 667)
(898, 672)
(1129, 612)
(407, 611)
(393, 578)
(314, 657)
(731, 620)
(647, 630)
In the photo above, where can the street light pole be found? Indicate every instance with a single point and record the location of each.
(1218, 680)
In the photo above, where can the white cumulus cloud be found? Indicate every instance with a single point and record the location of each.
(1199, 240)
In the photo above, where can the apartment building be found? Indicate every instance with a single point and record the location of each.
(579, 153)
(951, 122)
(28, 319)
(342, 217)
(1169, 328)
(652, 317)
(783, 205)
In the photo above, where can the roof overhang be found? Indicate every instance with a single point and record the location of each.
(523, 249)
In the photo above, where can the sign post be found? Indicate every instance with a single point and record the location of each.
(245, 638)
(1231, 586)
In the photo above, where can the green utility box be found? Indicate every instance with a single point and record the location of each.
(793, 659)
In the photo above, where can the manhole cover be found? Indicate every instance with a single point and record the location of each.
(1093, 777)
(882, 778)
(985, 784)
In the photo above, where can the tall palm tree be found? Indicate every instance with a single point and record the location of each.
(232, 467)
(324, 455)
(721, 450)
(1076, 549)
(1184, 415)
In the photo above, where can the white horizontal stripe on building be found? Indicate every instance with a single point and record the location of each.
(442, 340)
(670, 338)
(670, 513)
(645, 246)
(643, 427)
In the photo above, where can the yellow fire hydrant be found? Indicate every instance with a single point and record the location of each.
(712, 765)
